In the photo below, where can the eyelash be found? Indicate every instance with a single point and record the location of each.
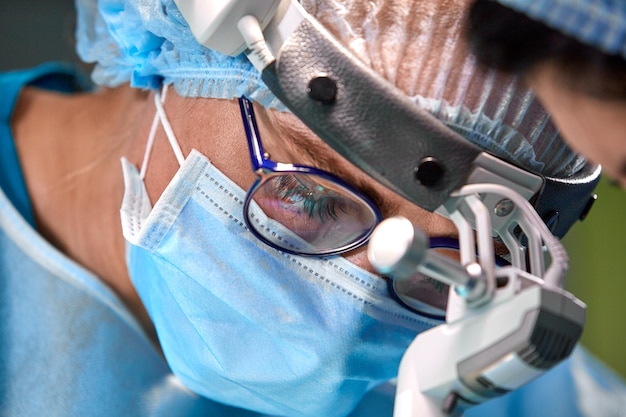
(326, 208)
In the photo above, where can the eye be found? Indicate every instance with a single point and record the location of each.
(309, 197)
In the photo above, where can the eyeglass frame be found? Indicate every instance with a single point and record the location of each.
(265, 169)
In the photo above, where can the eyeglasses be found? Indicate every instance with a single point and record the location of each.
(426, 296)
(300, 209)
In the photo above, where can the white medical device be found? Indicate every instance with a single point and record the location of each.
(504, 325)
(489, 345)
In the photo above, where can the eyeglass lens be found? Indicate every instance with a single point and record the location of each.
(323, 215)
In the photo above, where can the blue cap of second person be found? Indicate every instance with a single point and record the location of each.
(598, 23)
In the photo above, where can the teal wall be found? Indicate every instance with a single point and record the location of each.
(597, 274)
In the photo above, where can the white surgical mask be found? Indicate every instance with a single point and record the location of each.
(245, 324)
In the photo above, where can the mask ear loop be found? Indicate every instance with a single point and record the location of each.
(159, 115)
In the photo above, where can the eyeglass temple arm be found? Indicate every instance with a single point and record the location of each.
(252, 133)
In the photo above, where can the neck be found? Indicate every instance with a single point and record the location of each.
(69, 149)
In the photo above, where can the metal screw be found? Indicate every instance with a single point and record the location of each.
(503, 207)
(323, 89)
(429, 172)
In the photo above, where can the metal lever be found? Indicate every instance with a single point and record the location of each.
(399, 249)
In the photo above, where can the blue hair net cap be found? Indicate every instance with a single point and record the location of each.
(416, 45)
(598, 23)
(147, 43)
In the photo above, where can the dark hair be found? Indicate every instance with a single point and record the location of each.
(509, 41)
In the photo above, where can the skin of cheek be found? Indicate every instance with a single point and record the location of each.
(591, 126)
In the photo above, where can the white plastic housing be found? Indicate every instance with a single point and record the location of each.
(214, 22)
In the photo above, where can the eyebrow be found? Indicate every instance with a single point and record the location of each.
(326, 158)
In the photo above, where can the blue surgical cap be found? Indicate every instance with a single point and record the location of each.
(148, 42)
(416, 45)
(598, 23)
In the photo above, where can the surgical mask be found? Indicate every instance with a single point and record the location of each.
(247, 325)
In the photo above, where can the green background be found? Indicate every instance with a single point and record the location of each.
(597, 274)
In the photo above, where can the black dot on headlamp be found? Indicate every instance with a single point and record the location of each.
(429, 172)
(322, 89)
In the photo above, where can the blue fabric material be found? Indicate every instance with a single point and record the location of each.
(68, 347)
(51, 76)
(245, 324)
(599, 23)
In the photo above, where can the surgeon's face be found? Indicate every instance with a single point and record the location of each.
(218, 133)
(595, 127)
